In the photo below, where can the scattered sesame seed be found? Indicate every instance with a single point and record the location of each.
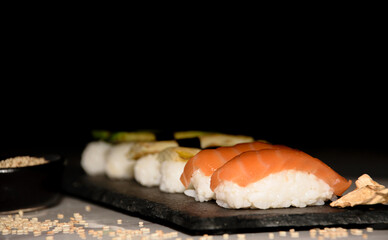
(88, 208)
(17, 225)
(145, 230)
(5, 231)
(294, 234)
(332, 233)
(313, 233)
(240, 236)
(356, 232)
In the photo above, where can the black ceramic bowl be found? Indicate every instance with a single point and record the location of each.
(33, 187)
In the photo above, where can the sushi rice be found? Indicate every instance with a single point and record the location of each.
(279, 190)
(147, 170)
(173, 161)
(200, 187)
(163, 169)
(118, 166)
(93, 159)
(170, 174)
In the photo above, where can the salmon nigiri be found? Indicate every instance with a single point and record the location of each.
(275, 178)
(199, 169)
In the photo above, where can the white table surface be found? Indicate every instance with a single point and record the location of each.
(98, 217)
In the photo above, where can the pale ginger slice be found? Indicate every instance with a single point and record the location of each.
(216, 140)
(178, 154)
(367, 192)
(141, 149)
(366, 180)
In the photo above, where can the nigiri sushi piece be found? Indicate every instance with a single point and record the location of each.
(173, 161)
(118, 166)
(198, 170)
(93, 158)
(147, 166)
(275, 178)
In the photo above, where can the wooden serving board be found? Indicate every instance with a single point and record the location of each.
(185, 214)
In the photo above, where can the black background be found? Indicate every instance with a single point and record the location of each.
(322, 97)
(326, 117)
(343, 124)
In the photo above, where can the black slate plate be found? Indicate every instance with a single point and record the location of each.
(185, 214)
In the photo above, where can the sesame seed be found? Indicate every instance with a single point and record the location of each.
(5, 231)
(356, 232)
(271, 235)
(369, 229)
(119, 221)
(313, 233)
(282, 233)
(240, 236)
(333, 233)
(294, 234)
